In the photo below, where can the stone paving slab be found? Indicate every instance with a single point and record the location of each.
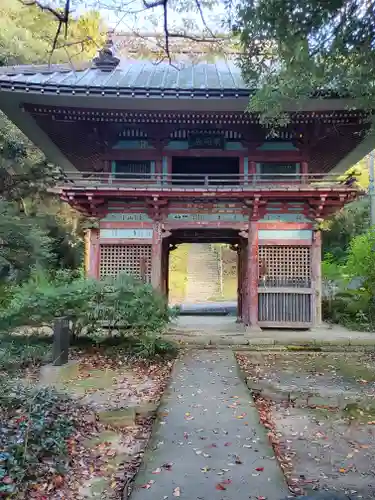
(209, 431)
(216, 330)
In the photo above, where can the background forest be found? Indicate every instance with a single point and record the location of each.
(36, 229)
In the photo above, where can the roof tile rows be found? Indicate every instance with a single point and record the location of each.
(143, 75)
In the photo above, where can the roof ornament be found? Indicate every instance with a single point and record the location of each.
(106, 59)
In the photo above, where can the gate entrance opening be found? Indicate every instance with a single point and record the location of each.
(203, 274)
(201, 270)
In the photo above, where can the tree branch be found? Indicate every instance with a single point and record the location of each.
(62, 17)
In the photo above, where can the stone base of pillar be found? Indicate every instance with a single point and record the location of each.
(321, 326)
(251, 329)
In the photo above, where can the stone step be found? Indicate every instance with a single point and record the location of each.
(202, 273)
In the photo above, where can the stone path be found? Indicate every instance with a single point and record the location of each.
(210, 433)
(223, 330)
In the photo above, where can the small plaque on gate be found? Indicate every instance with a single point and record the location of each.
(206, 141)
(137, 234)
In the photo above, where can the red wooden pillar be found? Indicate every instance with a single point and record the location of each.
(159, 170)
(316, 280)
(304, 171)
(156, 256)
(252, 276)
(245, 294)
(167, 270)
(93, 253)
(165, 267)
(252, 172)
(239, 283)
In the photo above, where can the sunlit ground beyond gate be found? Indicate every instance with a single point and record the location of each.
(202, 273)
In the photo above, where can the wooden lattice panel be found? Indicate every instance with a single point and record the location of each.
(134, 260)
(285, 266)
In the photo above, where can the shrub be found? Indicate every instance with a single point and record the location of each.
(19, 352)
(119, 304)
(126, 305)
(361, 257)
(353, 308)
(41, 299)
(350, 308)
(151, 346)
(35, 425)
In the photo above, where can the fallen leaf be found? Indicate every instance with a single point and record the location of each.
(148, 485)
(177, 492)
(220, 487)
(58, 481)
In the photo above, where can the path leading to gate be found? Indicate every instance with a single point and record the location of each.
(211, 435)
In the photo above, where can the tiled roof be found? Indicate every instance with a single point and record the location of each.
(222, 78)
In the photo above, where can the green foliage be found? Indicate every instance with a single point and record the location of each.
(35, 425)
(18, 351)
(149, 346)
(352, 220)
(295, 49)
(28, 33)
(42, 232)
(361, 258)
(121, 305)
(24, 243)
(331, 270)
(351, 308)
(125, 304)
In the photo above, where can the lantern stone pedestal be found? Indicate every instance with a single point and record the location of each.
(61, 369)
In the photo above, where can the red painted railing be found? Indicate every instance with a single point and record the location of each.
(204, 181)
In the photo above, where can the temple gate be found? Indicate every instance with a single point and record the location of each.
(157, 157)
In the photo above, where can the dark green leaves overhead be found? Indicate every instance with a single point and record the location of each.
(294, 49)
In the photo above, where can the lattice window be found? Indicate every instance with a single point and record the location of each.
(134, 260)
(288, 266)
